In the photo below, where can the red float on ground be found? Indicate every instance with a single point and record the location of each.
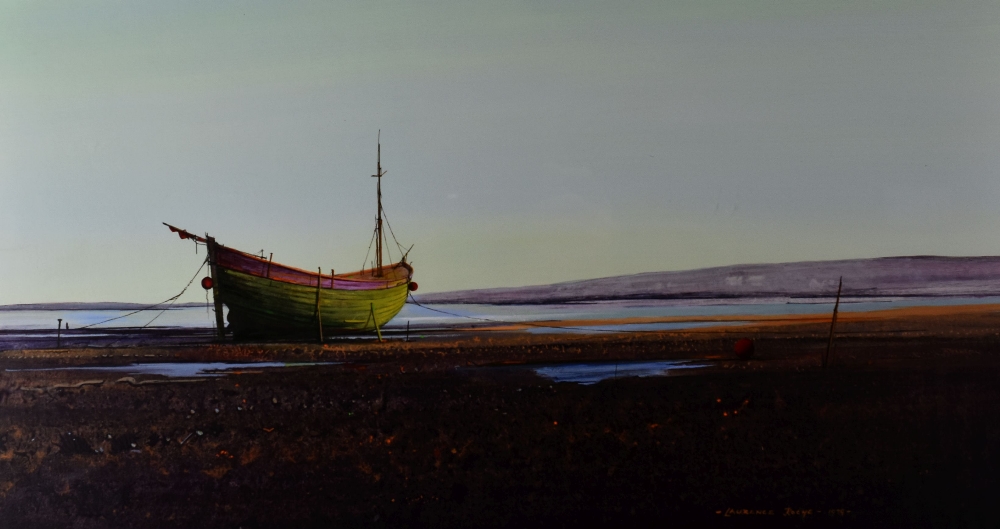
(744, 348)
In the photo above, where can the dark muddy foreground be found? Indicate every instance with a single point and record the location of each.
(899, 431)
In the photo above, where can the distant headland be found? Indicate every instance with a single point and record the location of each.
(914, 276)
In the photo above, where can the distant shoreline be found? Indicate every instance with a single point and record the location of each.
(100, 305)
(700, 300)
(719, 300)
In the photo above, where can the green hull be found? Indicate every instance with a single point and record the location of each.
(259, 306)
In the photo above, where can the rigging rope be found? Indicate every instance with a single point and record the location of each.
(388, 249)
(386, 217)
(363, 265)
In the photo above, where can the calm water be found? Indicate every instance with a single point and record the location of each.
(427, 317)
(486, 315)
(193, 317)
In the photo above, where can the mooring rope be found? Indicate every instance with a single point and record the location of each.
(170, 300)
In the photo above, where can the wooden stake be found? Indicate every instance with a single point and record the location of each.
(268, 274)
(375, 323)
(833, 323)
(319, 317)
(59, 333)
(220, 325)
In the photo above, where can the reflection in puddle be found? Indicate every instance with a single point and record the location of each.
(593, 373)
(183, 369)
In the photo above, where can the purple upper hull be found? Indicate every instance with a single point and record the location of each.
(882, 277)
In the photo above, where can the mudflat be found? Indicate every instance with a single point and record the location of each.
(901, 429)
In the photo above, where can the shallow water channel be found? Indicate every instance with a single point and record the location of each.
(584, 373)
(183, 369)
(594, 372)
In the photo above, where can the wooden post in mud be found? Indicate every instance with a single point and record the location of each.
(220, 325)
(59, 334)
(375, 322)
(268, 274)
(833, 323)
(319, 317)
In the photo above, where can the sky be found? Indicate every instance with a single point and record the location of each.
(524, 142)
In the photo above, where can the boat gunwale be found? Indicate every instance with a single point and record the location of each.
(386, 283)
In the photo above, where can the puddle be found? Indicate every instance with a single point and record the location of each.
(592, 373)
(183, 369)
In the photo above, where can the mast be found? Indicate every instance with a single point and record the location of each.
(378, 221)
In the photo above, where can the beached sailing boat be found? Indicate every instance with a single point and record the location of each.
(268, 299)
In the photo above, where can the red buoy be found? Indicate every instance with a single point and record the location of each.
(744, 348)
(206, 283)
(413, 285)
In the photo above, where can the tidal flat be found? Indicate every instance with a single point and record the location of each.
(900, 429)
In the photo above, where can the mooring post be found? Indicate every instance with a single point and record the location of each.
(59, 334)
(375, 322)
(319, 317)
(212, 258)
(833, 323)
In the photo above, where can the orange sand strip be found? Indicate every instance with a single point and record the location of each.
(768, 320)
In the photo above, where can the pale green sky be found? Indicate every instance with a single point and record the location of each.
(526, 142)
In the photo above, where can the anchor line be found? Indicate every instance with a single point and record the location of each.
(169, 300)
